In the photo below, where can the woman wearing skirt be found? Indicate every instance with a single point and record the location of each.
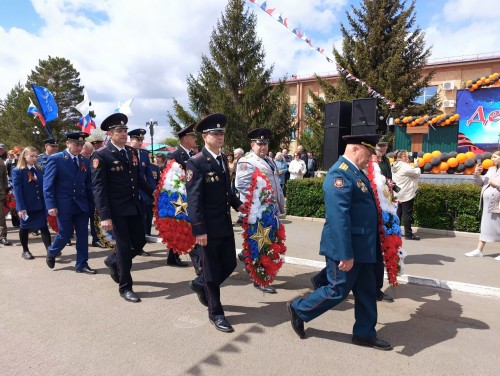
(27, 181)
(489, 204)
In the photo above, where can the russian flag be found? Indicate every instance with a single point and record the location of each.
(86, 123)
(32, 110)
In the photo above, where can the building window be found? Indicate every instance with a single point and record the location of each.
(293, 109)
(308, 109)
(426, 94)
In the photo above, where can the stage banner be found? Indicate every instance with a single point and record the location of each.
(479, 125)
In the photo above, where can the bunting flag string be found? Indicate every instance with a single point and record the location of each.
(302, 35)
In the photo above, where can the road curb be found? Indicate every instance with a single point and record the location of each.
(405, 278)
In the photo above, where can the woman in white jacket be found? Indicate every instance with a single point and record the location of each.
(406, 178)
(297, 167)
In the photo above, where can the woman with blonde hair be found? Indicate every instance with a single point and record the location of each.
(489, 203)
(27, 180)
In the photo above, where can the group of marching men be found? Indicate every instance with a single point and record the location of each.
(114, 183)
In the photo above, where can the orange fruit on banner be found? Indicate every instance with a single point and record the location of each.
(487, 163)
(461, 158)
(469, 155)
(469, 170)
(452, 162)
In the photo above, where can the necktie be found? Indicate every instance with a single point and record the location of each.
(75, 161)
(270, 164)
(124, 154)
(33, 172)
(219, 160)
(191, 153)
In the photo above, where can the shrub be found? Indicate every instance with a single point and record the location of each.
(304, 198)
(448, 207)
(439, 206)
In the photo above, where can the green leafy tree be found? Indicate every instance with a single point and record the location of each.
(63, 80)
(16, 126)
(234, 81)
(171, 141)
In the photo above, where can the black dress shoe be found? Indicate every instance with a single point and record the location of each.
(241, 257)
(35, 233)
(144, 253)
(5, 242)
(113, 271)
(27, 255)
(198, 271)
(412, 237)
(382, 297)
(86, 269)
(266, 289)
(222, 325)
(296, 321)
(51, 261)
(374, 342)
(175, 260)
(200, 291)
(69, 242)
(98, 244)
(130, 296)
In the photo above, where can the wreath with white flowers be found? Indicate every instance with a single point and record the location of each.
(170, 209)
(263, 234)
(389, 228)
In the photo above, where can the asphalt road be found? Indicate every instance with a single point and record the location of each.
(57, 322)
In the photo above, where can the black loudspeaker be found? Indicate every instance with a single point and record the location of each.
(337, 124)
(364, 116)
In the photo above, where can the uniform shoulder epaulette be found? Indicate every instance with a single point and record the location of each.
(344, 166)
(197, 156)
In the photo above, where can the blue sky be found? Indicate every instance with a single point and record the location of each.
(145, 50)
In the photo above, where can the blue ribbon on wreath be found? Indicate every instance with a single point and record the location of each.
(165, 207)
(391, 224)
(268, 219)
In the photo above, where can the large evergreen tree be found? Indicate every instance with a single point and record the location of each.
(234, 81)
(63, 80)
(16, 126)
(383, 47)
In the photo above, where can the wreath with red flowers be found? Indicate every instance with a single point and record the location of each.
(170, 209)
(390, 233)
(263, 234)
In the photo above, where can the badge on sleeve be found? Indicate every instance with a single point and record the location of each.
(189, 175)
(338, 183)
(242, 167)
(95, 163)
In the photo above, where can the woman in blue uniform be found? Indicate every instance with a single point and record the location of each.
(27, 180)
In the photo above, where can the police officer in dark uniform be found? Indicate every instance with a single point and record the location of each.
(67, 190)
(136, 140)
(116, 183)
(350, 243)
(50, 148)
(181, 154)
(209, 205)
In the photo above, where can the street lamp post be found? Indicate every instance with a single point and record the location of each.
(36, 133)
(151, 124)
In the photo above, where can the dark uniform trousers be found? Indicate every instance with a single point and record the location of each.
(219, 261)
(129, 233)
(360, 280)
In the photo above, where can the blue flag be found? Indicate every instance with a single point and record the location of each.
(48, 105)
